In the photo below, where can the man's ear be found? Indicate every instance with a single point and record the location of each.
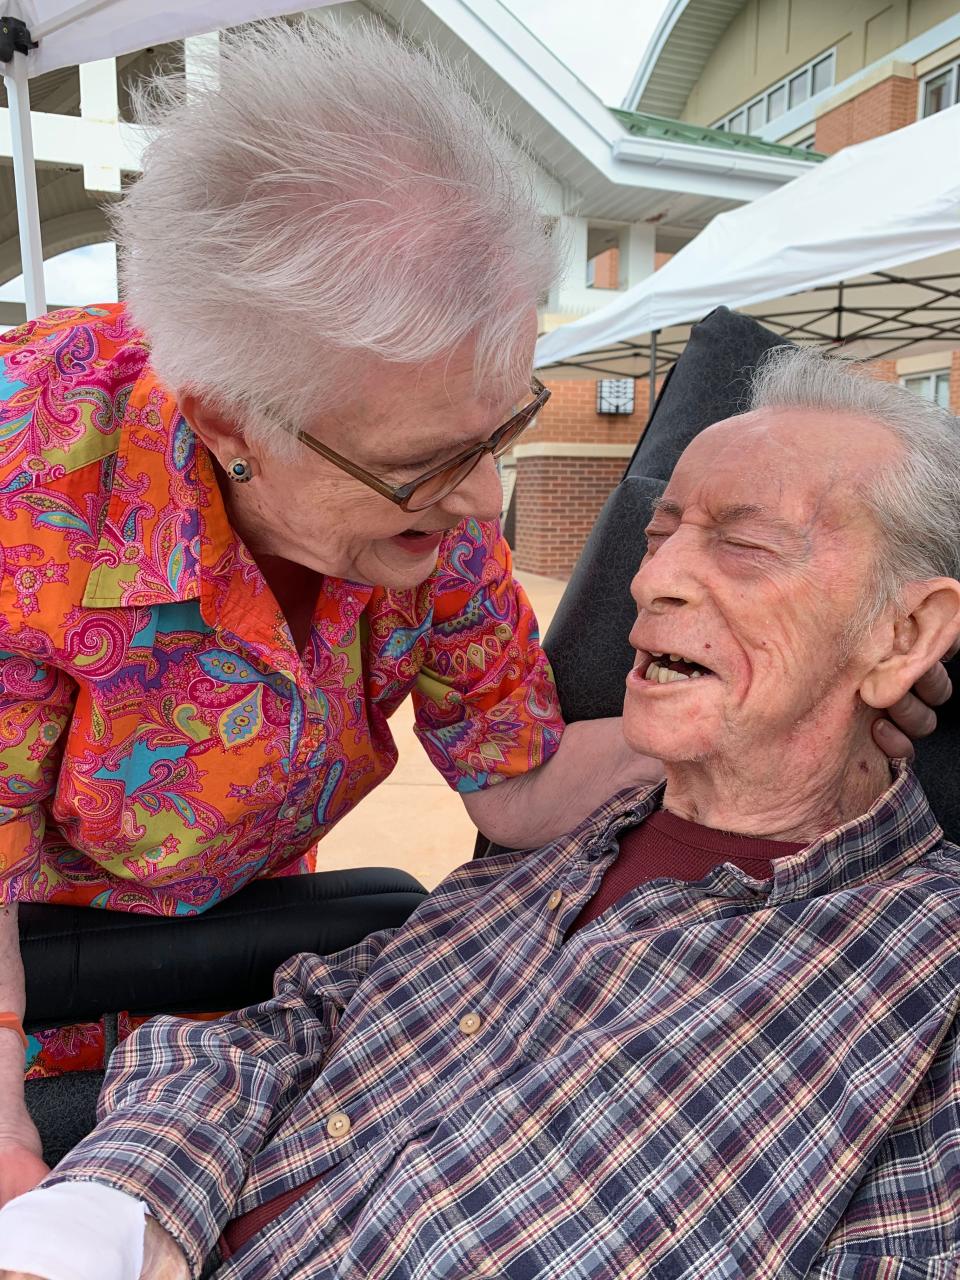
(219, 432)
(921, 637)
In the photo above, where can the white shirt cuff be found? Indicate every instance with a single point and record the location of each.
(73, 1231)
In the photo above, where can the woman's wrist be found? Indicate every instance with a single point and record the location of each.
(10, 1021)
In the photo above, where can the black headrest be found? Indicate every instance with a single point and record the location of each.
(708, 383)
(587, 642)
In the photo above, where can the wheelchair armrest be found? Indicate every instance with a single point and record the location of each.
(81, 963)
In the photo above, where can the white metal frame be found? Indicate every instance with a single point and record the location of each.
(25, 179)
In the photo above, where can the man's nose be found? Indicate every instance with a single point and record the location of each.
(480, 495)
(667, 579)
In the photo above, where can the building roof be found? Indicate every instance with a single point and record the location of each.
(686, 35)
(605, 168)
(643, 125)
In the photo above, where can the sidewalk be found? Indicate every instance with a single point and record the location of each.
(413, 820)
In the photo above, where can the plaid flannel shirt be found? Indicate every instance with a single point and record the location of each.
(733, 1078)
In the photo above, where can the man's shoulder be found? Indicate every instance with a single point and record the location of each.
(941, 864)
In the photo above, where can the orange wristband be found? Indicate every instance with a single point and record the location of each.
(10, 1022)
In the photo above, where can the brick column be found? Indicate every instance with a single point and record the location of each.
(955, 383)
(560, 490)
(890, 104)
(566, 468)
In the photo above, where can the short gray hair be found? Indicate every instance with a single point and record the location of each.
(332, 194)
(916, 501)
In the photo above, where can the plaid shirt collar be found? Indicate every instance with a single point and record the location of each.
(897, 831)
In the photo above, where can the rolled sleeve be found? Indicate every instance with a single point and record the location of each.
(36, 702)
(186, 1106)
(485, 701)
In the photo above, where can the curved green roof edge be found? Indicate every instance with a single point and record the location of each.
(647, 126)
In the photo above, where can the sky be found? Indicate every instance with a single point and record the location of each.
(602, 41)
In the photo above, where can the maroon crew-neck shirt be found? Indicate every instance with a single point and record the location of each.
(665, 845)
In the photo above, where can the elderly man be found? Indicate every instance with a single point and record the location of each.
(713, 1033)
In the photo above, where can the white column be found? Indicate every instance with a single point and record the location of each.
(573, 296)
(99, 102)
(637, 249)
(25, 178)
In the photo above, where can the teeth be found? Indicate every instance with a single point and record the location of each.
(675, 657)
(655, 655)
(653, 672)
(666, 675)
(695, 675)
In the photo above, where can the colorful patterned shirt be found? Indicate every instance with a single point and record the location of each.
(733, 1079)
(161, 739)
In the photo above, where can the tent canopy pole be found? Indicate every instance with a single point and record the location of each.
(25, 179)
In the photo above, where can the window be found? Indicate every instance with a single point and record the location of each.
(818, 75)
(756, 116)
(933, 386)
(806, 144)
(799, 88)
(823, 74)
(939, 91)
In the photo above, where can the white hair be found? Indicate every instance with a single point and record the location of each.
(334, 195)
(915, 502)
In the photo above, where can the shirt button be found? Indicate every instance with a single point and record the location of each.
(338, 1125)
(470, 1024)
(555, 899)
(290, 811)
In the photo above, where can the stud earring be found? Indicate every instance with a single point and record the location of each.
(240, 470)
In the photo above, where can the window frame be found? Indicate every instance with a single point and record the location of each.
(930, 377)
(950, 68)
(763, 99)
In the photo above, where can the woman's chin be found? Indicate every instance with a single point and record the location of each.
(401, 562)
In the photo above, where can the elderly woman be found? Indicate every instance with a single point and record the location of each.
(247, 513)
(713, 1033)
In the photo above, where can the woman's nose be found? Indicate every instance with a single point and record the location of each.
(479, 495)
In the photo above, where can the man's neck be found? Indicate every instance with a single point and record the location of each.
(782, 794)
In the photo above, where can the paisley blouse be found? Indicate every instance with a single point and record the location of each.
(161, 739)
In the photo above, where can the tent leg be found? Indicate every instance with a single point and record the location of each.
(653, 367)
(25, 178)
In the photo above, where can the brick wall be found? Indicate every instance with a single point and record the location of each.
(558, 500)
(883, 107)
(571, 415)
(882, 370)
(606, 269)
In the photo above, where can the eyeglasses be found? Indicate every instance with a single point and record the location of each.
(440, 481)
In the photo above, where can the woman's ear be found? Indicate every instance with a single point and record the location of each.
(220, 433)
(921, 636)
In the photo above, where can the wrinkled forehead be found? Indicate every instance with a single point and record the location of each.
(800, 466)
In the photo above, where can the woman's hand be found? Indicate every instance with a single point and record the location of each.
(913, 716)
(163, 1259)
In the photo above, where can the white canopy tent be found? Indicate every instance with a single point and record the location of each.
(65, 32)
(824, 245)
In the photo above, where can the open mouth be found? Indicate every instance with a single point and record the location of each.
(665, 668)
(419, 540)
